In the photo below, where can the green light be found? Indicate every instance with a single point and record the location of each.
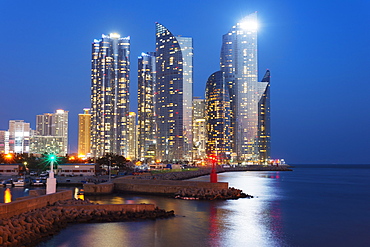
(52, 157)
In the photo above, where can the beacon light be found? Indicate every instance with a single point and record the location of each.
(52, 157)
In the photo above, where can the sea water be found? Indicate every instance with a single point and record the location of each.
(314, 205)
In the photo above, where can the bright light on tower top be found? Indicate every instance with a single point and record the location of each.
(114, 36)
(249, 25)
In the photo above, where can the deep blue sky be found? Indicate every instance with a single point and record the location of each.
(318, 53)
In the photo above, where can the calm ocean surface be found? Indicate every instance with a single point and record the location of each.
(315, 205)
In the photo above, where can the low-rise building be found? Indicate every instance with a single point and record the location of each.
(9, 169)
(77, 169)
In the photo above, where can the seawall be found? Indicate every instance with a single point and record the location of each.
(162, 186)
(32, 227)
(27, 204)
(172, 182)
(149, 186)
(113, 207)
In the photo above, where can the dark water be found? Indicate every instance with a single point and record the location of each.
(315, 205)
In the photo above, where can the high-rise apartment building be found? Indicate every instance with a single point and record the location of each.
(110, 83)
(132, 137)
(173, 95)
(218, 118)
(239, 64)
(146, 107)
(19, 136)
(199, 129)
(84, 130)
(264, 132)
(51, 135)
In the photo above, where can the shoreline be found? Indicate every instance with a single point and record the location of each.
(37, 225)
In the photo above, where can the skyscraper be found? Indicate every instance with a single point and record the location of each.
(264, 132)
(173, 95)
(132, 137)
(239, 63)
(218, 117)
(51, 135)
(199, 129)
(146, 108)
(84, 133)
(110, 69)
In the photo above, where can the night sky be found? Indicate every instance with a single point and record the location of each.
(318, 53)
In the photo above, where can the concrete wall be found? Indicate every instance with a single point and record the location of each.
(98, 189)
(24, 205)
(162, 186)
(115, 207)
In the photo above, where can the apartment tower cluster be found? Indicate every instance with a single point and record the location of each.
(232, 123)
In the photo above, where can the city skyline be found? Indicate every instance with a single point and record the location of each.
(314, 112)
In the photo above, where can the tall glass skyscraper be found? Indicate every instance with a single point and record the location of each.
(239, 63)
(173, 95)
(146, 109)
(218, 117)
(199, 129)
(264, 132)
(132, 137)
(110, 83)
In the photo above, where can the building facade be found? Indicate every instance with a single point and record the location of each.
(19, 136)
(84, 133)
(4, 141)
(199, 129)
(110, 83)
(240, 66)
(173, 95)
(264, 130)
(218, 120)
(51, 134)
(146, 107)
(132, 137)
(76, 169)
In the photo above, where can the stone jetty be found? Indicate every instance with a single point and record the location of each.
(30, 228)
(169, 183)
(176, 183)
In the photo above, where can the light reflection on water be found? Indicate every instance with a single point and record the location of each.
(242, 222)
(15, 192)
(249, 222)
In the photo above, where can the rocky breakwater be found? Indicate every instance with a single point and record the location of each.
(30, 228)
(192, 193)
(210, 194)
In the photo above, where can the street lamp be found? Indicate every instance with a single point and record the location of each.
(51, 182)
(9, 158)
(109, 166)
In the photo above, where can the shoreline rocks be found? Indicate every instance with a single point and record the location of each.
(210, 194)
(30, 228)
